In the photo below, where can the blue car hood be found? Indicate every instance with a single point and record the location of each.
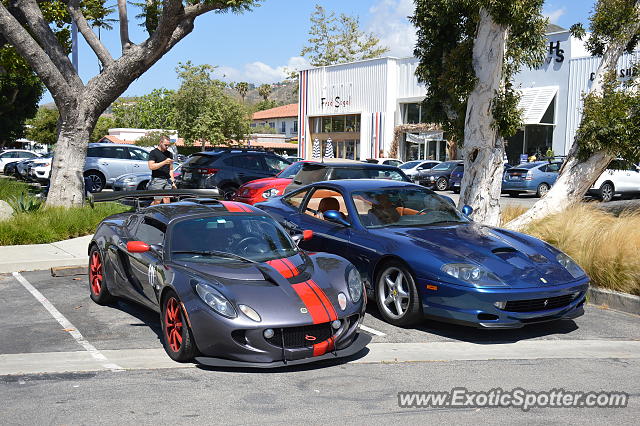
(518, 260)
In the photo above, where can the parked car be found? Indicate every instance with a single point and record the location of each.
(106, 161)
(385, 160)
(231, 286)
(229, 168)
(421, 258)
(618, 179)
(10, 168)
(40, 169)
(11, 155)
(531, 178)
(414, 168)
(315, 172)
(261, 189)
(438, 176)
(456, 177)
(139, 181)
(22, 168)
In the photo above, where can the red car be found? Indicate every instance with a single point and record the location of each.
(262, 189)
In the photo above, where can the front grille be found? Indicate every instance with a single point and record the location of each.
(538, 304)
(301, 337)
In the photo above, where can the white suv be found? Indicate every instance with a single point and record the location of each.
(618, 178)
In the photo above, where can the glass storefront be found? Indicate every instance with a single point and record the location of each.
(342, 130)
(533, 139)
(416, 149)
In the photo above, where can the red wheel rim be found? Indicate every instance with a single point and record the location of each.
(173, 324)
(95, 273)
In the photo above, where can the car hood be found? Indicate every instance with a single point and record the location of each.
(270, 181)
(517, 259)
(265, 289)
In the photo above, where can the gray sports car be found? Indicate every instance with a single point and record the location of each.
(231, 286)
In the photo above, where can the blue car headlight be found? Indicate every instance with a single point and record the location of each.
(215, 300)
(354, 283)
(472, 274)
(570, 265)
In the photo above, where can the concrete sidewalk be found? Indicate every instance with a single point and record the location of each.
(34, 257)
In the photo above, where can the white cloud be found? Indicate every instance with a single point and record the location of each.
(259, 72)
(555, 15)
(390, 22)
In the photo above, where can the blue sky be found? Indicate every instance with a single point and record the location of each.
(260, 46)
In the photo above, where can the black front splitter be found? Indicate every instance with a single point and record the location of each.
(358, 344)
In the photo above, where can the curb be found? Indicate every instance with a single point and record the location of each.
(42, 265)
(614, 300)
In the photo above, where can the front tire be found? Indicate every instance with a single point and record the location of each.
(97, 284)
(442, 184)
(98, 182)
(177, 338)
(606, 192)
(396, 295)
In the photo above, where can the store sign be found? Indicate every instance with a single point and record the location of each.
(335, 103)
(554, 50)
(622, 74)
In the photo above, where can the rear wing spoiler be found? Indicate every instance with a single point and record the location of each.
(136, 196)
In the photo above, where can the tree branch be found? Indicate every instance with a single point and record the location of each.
(47, 39)
(37, 58)
(124, 25)
(101, 52)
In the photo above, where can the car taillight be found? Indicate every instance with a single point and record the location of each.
(528, 176)
(208, 171)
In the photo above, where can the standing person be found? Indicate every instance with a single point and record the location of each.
(161, 165)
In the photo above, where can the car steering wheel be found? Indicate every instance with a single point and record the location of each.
(250, 245)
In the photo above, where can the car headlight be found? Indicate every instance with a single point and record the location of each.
(215, 300)
(472, 274)
(570, 265)
(129, 180)
(354, 283)
(270, 193)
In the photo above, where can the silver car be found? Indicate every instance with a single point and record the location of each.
(138, 181)
(107, 161)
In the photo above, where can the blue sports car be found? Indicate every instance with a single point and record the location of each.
(420, 257)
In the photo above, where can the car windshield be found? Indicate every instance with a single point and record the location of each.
(291, 171)
(207, 239)
(400, 206)
(409, 165)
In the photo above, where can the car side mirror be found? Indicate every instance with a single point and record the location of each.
(138, 247)
(306, 235)
(335, 217)
(467, 210)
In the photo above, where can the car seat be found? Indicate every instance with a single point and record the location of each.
(329, 203)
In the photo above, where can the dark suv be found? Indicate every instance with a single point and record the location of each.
(316, 172)
(228, 168)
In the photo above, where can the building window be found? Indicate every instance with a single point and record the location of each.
(335, 123)
(253, 125)
(295, 126)
(283, 127)
(272, 124)
(532, 139)
(413, 113)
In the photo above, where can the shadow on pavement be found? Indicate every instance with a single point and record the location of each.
(487, 336)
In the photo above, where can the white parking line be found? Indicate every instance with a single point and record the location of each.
(371, 330)
(66, 324)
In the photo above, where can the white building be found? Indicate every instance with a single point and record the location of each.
(359, 105)
(283, 119)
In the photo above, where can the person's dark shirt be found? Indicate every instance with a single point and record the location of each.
(158, 156)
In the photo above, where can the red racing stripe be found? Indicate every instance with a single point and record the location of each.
(323, 347)
(291, 266)
(324, 299)
(314, 306)
(234, 207)
(281, 266)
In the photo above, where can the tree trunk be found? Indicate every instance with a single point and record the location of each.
(483, 149)
(576, 176)
(67, 178)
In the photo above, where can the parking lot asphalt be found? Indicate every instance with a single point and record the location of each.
(52, 376)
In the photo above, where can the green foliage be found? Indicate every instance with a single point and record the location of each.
(610, 22)
(264, 90)
(242, 88)
(446, 33)
(151, 138)
(24, 203)
(204, 112)
(102, 128)
(153, 111)
(50, 224)
(338, 39)
(10, 188)
(611, 122)
(263, 105)
(44, 126)
(263, 130)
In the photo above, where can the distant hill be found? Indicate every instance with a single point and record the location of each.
(282, 93)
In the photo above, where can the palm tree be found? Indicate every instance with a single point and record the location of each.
(264, 91)
(242, 88)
